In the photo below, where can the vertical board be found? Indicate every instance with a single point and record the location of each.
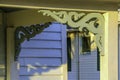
(119, 16)
(119, 52)
(12, 72)
(43, 57)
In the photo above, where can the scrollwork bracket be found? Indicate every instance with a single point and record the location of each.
(25, 33)
(94, 22)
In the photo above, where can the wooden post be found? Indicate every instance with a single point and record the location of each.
(109, 62)
(12, 72)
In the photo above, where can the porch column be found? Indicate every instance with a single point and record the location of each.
(109, 62)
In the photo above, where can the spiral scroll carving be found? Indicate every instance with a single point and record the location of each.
(93, 22)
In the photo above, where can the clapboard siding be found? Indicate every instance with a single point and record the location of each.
(29, 70)
(41, 58)
(40, 61)
(88, 66)
(73, 77)
(88, 70)
(41, 78)
(55, 27)
(44, 36)
(41, 44)
(40, 53)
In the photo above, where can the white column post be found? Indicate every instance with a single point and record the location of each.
(109, 62)
(12, 72)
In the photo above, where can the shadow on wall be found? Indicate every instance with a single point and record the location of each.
(43, 57)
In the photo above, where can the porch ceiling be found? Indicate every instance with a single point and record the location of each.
(75, 4)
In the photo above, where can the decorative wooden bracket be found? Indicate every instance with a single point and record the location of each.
(92, 22)
(25, 33)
